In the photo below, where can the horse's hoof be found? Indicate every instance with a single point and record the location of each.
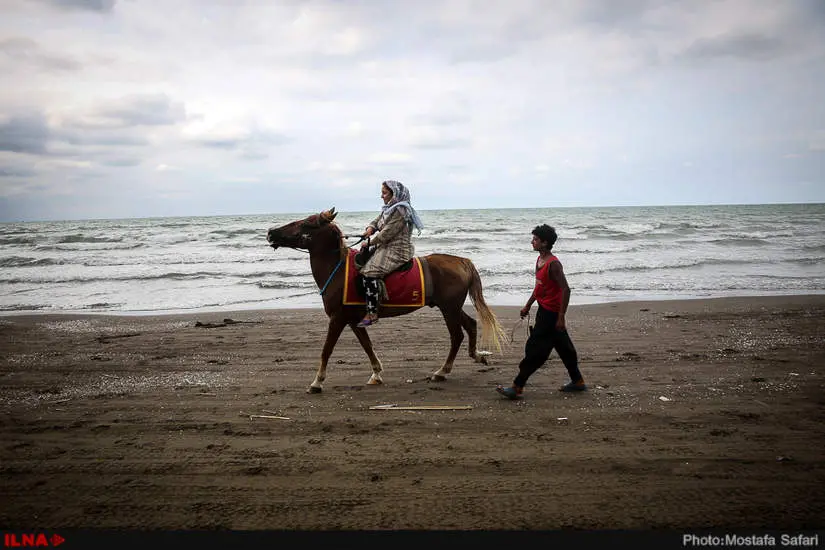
(313, 389)
(482, 359)
(438, 378)
(374, 382)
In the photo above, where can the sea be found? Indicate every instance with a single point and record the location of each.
(223, 263)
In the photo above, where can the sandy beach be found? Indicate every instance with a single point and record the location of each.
(700, 414)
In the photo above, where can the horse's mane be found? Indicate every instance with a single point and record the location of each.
(342, 245)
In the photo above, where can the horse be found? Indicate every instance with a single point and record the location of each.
(452, 277)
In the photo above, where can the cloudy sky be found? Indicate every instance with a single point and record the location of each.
(132, 108)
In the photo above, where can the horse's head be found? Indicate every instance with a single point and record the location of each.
(298, 234)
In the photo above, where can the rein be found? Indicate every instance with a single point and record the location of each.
(340, 262)
(343, 255)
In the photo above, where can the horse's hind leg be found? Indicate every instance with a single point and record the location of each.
(364, 339)
(471, 326)
(454, 323)
(336, 326)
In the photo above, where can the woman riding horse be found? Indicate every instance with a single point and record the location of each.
(452, 280)
(393, 243)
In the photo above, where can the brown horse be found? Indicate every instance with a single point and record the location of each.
(453, 278)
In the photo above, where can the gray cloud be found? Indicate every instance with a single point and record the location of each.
(441, 119)
(221, 143)
(146, 110)
(16, 172)
(251, 146)
(102, 6)
(25, 133)
(124, 162)
(448, 90)
(624, 13)
(90, 137)
(427, 142)
(743, 46)
(482, 52)
(26, 51)
(813, 11)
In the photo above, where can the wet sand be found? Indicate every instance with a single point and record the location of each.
(700, 414)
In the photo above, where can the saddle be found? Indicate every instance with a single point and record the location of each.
(404, 286)
(362, 257)
(359, 280)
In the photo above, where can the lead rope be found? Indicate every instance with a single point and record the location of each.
(518, 323)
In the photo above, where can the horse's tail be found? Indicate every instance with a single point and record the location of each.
(492, 334)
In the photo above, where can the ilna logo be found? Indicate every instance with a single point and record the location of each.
(32, 540)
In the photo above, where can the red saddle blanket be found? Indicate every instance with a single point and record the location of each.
(404, 288)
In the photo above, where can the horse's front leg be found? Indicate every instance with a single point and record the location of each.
(364, 339)
(336, 326)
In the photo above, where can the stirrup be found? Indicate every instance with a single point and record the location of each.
(366, 322)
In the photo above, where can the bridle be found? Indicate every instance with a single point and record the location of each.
(315, 222)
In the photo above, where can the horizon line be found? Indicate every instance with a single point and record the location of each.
(566, 207)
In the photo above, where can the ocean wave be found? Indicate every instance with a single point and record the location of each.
(739, 241)
(249, 245)
(616, 236)
(616, 250)
(102, 305)
(281, 274)
(285, 284)
(137, 277)
(746, 284)
(675, 266)
(166, 263)
(79, 238)
(77, 246)
(453, 230)
(806, 261)
(17, 240)
(230, 233)
(24, 307)
(450, 240)
(570, 267)
(24, 261)
(679, 226)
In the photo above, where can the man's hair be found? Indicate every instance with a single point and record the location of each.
(547, 234)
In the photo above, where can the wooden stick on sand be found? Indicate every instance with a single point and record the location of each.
(421, 407)
(251, 416)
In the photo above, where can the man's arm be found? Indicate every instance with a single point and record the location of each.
(557, 276)
(526, 309)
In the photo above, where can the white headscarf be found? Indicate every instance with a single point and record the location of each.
(401, 199)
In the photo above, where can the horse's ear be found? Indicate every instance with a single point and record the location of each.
(329, 215)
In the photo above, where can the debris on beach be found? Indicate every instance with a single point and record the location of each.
(270, 416)
(663, 398)
(226, 322)
(421, 407)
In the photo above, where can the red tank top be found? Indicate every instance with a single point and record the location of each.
(548, 293)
